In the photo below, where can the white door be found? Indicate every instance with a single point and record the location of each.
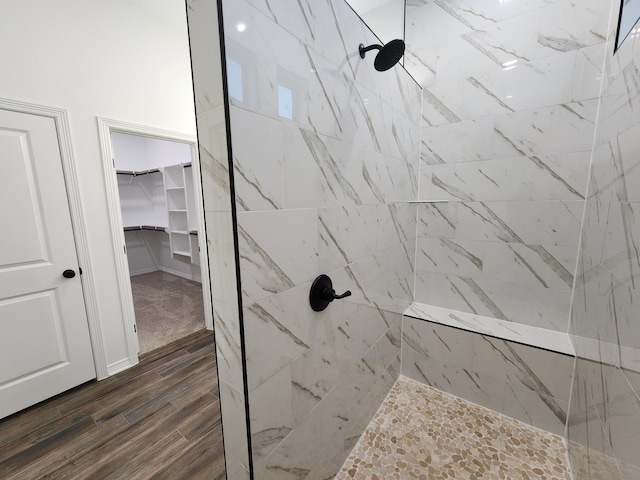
(45, 347)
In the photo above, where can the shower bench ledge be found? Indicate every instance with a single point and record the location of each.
(543, 338)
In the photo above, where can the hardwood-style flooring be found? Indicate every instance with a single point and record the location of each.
(157, 420)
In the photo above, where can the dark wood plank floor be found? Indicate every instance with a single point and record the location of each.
(157, 420)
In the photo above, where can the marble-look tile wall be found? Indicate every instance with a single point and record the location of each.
(604, 420)
(509, 105)
(325, 161)
(520, 381)
(212, 140)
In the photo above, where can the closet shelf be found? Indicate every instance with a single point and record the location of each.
(135, 173)
(178, 210)
(183, 253)
(153, 228)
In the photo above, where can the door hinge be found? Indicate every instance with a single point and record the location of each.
(113, 161)
(80, 270)
(135, 329)
(125, 249)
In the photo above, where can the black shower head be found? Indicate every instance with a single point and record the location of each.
(388, 55)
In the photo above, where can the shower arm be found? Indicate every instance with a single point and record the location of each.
(362, 49)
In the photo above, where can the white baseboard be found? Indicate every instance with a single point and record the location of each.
(119, 366)
(143, 271)
(181, 274)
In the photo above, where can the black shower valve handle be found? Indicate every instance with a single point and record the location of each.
(322, 293)
(330, 294)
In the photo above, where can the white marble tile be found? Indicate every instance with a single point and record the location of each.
(270, 346)
(395, 224)
(479, 14)
(620, 70)
(405, 136)
(510, 42)
(434, 109)
(222, 266)
(538, 307)
(204, 47)
(319, 370)
(535, 265)
(534, 222)
(228, 350)
(497, 374)
(459, 142)
(297, 453)
(389, 179)
(236, 440)
(269, 56)
(515, 332)
(295, 17)
(381, 355)
(589, 447)
(597, 302)
(316, 173)
(615, 166)
(361, 118)
(549, 177)
(544, 373)
(630, 358)
(542, 412)
(441, 357)
(625, 305)
(271, 413)
(214, 162)
(393, 284)
(257, 164)
(437, 220)
(589, 61)
(564, 26)
(375, 323)
(338, 408)
(236, 470)
(430, 23)
(622, 420)
(444, 256)
(293, 313)
(346, 235)
(279, 249)
(552, 129)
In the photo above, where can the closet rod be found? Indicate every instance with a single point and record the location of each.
(134, 173)
(186, 165)
(153, 228)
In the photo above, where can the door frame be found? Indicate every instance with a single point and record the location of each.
(106, 126)
(63, 132)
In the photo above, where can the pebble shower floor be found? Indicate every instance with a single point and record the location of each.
(420, 432)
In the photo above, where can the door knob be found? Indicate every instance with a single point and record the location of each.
(68, 274)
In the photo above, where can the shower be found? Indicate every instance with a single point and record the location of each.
(387, 57)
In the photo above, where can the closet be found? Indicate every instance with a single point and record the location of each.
(160, 219)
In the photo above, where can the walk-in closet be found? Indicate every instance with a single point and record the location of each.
(160, 220)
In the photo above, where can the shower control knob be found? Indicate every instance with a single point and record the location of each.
(322, 293)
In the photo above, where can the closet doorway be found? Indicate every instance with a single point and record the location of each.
(160, 222)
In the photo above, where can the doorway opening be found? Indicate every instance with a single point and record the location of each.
(160, 222)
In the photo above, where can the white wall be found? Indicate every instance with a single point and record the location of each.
(98, 58)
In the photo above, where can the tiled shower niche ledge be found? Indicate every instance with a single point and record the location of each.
(420, 432)
(519, 371)
(551, 340)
